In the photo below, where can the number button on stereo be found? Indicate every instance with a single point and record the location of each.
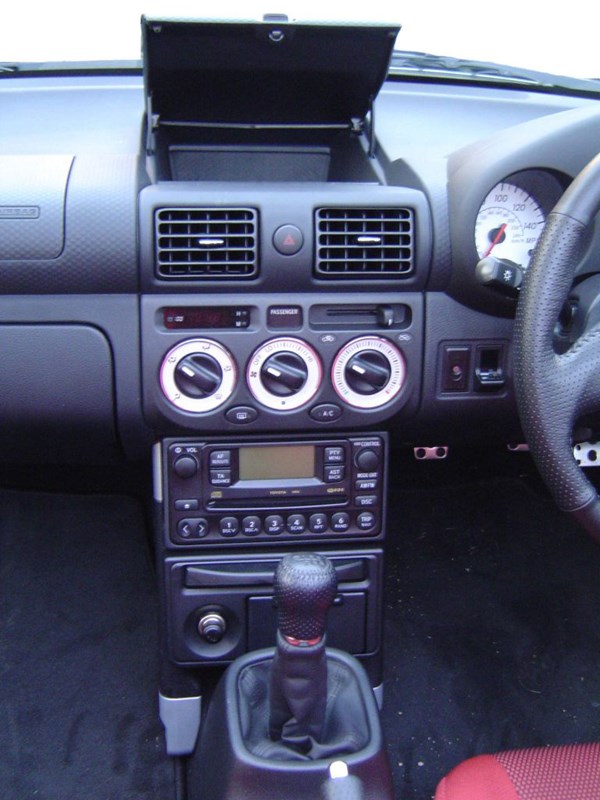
(340, 522)
(229, 526)
(317, 523)
(251, 526)
(296, 523)
(274, 524)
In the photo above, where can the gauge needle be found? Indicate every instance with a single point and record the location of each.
(497, 237)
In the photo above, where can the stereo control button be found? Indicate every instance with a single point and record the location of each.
(186, 505)
(334, 455)
(366, 520)
(185, 466)
(367, 459)
(366, 486)
(296, 523)
(274, 524)
(317, 523)
(365, 500)
(220, 477)
(229, 526)
(334, 474)
(192, 528)
(220, 458)
(340, 522)
(251, 526)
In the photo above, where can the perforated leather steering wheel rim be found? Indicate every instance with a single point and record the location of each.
(554, 390)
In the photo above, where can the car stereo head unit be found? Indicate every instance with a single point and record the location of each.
(237, 491)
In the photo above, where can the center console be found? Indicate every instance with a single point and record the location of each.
(282, 331)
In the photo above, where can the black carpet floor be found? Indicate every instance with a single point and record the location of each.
(78, 649)
(492, 639)
(492, 628)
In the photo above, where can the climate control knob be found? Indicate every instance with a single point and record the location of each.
(198, 375)
(368, 372)
(284, 374)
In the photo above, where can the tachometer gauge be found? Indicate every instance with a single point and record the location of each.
(508, 224)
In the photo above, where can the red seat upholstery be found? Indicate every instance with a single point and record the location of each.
(544, 773)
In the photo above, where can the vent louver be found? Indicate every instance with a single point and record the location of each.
(206, 243)
(369, 243)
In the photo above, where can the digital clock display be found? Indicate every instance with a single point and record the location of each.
(206, 317)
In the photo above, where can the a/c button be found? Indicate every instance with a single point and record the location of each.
(326, 412)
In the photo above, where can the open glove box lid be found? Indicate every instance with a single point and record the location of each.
(271, 74)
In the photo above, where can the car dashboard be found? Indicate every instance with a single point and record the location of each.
(267, 309)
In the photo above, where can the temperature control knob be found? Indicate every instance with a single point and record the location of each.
(368, 372)
(198, 375)
(284, 374)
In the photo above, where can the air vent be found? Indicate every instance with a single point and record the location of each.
(368, 243)
(206, 243)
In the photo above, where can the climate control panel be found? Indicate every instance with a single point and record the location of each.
(297, 366)
(219, 492)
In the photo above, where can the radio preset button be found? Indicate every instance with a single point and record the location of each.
(229, 526)
(318, 522)
(220, 477)
(334, 474)
(296, 523)
(334, 455)
(220, 458)
(366, 520)
(251, 526)
(340, 522)
(274, 524)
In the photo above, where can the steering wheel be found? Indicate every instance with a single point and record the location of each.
(554, 390)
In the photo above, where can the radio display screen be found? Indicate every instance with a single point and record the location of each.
(276, 462)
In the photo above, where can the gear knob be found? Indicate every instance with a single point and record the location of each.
(305, 587)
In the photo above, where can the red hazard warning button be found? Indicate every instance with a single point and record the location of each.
(288, 240)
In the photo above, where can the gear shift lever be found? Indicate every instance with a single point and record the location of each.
(305, 587)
